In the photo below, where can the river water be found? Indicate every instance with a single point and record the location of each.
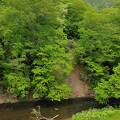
(65, 109)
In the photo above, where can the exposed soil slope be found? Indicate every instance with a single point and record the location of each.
(80, 88)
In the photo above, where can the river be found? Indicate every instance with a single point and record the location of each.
(65, 109)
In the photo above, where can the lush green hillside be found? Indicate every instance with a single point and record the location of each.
(41, 41)
(33, 49)
(96, 41)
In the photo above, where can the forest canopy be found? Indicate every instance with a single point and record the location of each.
(42, 40)
(33, 49)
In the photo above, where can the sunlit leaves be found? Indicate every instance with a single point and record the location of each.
(97, 44)
(109, 88)
(33, 47)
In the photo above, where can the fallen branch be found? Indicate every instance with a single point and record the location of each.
(36, 115)
(44, 118)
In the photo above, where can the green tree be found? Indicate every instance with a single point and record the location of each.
(27, 29)
(49, 75)
(110, 87)
(97, 46)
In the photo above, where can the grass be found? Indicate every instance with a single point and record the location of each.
(115, 116)
(98, 114)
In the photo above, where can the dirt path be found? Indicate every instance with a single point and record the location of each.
(79, 87)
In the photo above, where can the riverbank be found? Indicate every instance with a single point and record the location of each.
(7, 98)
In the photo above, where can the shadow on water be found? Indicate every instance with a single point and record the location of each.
(65, 108)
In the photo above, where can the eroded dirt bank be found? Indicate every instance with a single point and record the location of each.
(80, 87)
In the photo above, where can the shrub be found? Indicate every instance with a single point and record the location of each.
(97, 114)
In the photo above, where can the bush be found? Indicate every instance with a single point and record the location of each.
(97, 114)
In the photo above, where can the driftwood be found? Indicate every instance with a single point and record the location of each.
(36, 115)
(44, 118)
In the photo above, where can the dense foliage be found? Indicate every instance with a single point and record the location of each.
(98, 114)
(96, 39)
(41, 40)
(33, 49)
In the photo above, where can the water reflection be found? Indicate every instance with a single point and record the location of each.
(66, 108)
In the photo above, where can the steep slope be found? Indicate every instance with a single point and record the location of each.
(79, 87)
